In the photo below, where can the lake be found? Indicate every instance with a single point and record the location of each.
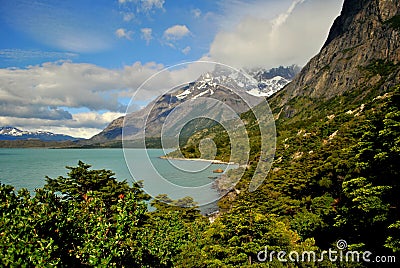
(27, 168)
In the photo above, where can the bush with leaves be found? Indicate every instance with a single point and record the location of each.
(82, 180)
(96, 222)
(29, 230)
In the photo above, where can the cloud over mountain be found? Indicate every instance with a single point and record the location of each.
(292, 36)
(79, 94)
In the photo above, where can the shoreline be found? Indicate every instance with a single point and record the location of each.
(215, 161)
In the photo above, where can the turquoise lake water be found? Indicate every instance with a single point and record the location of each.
(27, 168)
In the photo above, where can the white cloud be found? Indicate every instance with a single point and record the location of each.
(82, 125)
(293, 35)
(232, 12)
(196, 13)
(38, 111)
(123, 33)
(147, 34)
(145, 6)
(186, 50)
(93, 119)
(43, 97)
(48, 96)
(128, 16)
(176, 32)
(282, 18)
(60, 85)
(81, 132)
(70, 85)
(148, 5)
(79, 41)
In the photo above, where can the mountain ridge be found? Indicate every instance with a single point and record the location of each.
(258, 82)
(10, 133)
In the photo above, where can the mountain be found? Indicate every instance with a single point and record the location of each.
(286, 72)
(362, 51)
(9, 133)
(256, 83)
(273, 80)
(334, 174)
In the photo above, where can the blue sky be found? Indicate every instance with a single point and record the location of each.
(72, 66)
(106, 33)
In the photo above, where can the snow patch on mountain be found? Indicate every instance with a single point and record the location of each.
(257, 82)
(12, 133)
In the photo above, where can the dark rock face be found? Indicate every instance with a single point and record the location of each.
(359, 37)
(342, 23)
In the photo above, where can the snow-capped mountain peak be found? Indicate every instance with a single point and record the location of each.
(13, 133)
(224, 84)
(257, 82)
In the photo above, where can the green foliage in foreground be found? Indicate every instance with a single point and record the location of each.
(96, 222)
(87, 226)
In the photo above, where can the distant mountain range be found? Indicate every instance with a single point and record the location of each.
(10, 133)
(255, 83)
(258, 82)
(273, 80)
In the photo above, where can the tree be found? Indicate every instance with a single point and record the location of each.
(171, 231)
(81, 180)
(32, 228)
(236, 237)
(97, 222)
(370, 192)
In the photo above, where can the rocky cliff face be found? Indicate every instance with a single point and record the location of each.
(363, 42)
